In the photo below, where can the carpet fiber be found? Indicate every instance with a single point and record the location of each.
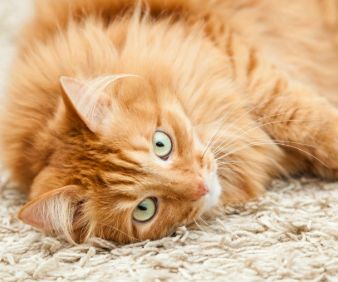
(290, 234)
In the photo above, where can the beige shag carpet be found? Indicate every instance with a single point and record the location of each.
(290, 234)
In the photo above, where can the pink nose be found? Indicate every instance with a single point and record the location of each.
(201, 191)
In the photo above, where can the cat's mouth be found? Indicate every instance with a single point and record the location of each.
(211, 199)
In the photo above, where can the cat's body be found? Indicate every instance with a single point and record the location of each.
(240, 88)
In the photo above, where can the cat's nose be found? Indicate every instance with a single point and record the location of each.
(201, 190)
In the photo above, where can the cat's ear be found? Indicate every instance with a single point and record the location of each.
(89, 99)
(89, 107)
(58, 211)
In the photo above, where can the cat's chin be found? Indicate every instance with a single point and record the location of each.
(212, 198)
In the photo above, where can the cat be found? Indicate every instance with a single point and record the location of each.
(126, 119)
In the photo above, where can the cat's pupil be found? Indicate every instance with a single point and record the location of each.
(142, 208)
(159, 144)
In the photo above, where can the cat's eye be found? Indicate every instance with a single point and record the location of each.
(145, 210)
(162, 144)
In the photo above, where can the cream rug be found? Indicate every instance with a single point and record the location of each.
(291, 234)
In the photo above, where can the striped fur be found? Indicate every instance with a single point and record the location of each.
(246, 89)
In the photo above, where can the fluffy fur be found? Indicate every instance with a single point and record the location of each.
(246, 90)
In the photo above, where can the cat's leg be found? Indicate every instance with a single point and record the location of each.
(303, 122)
(296, 117)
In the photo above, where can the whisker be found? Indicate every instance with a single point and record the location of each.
(271, 143)
(276, 141)
(199, 226)
(216, 135)
(120, 231)
(253, 128)
(212, 139)
(204, 222)
(238, 119)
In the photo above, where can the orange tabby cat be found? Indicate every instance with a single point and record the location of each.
(125, 120)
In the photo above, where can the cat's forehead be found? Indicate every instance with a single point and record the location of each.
(140, 103)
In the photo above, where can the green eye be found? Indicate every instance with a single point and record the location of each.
(162, 144)
(145, 210)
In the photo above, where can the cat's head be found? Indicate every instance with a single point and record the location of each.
(137, 167)
(132, 157)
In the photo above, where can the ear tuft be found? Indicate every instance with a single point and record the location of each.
(71, 85)
(54, 211)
